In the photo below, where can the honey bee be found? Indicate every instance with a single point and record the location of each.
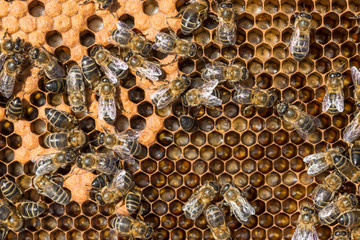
(189, 124)
(221, 72)
(172, 44)
(103, 4)
(205, 95)
(341, 234)
(303, 123)
(61, 140)
(355, 153)
(50, 163)
(55, 85)
(90, 71)
(200, 199)
(226, 30)
(346, 168)
(300, 39)
(75, 89)
(11, 191)
(47, 63)
(193, 15)
(133, 200)
(355, 76)
(255, 97)
(350, 218)
(129, 227)
(119, 187)
(9, 217)
(113, 67)
(320, 162)
(107, 101)
(331, 212)
(9, 47)
(334, 96)
(30, 209)
(14, 109)
(352, 131)
(12, 68)
(216, 219)
(239, 205)
(101, 162)
(324, 193)
(101, 181)
(124, 144)
(46, 186)
(305, 228)
(60, 120)
(167, 93)
(144, 68)
(127, 38)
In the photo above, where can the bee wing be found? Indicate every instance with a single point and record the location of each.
(328, 211)
(193, 206)
(2, 60)
(208, 87)
(211, 101)
(355, 76)
(72, 83)
(242, 209)
(123, 26)
(299, 40)
(213, 69)
(301, 132)
(107, 108)
(7, 83)
(128, 135)
(125, 155)
(43, 157)
(314, 156)
(150, 70)
(163, 99)
(118, 63)
(316, 167)
(338, 101)
(230, 28)
(119, 179)
(162, 41)
(305, 233)
(352, 131)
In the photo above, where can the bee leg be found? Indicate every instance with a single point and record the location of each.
(58, 179)
(166, 64)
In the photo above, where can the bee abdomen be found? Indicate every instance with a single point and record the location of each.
(135, 148)
(122, 224)
(30, 209)
(11, 191)
(355, 155)
(120, 74)
(216, 93)
(60, 119)
(56, 140)
(100, 181)
(61, 196)
(350, 218)
(307, 125)
(15, 107)
(121, 38)
(54, 70)
(132, 202)
(189, 21)
(109, 120)
(90, 70)
(55, 86)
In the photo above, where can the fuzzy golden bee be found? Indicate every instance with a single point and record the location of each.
(226, 30)
(129, 227)
(60, 120)
(333, 101)
(50, 163)
(46, 186)
(193, 15)
(216, 219)
(300, 39)
(107, 101)
(75, 88)
(305, 228)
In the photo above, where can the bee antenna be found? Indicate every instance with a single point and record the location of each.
(340, 67)
(5, 33)
(106, 131)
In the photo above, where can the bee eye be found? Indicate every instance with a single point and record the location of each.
(308, 16)
(230, 5)
(222, 5)
(338, 75)
(311, 211)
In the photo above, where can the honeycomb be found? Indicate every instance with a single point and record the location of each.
(254, 149)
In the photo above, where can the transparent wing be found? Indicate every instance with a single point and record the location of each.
(107, 107)
(242, 209)
(162, 98)
(208, 87)
(355, 76)
(213, 70)
(299, 40)
(163, 42)
(7, 83)
(128, 135)
(119, 179)
(314, 156)
(337, 101)
(300, 131)
(45, 168)
(211, 101)
(118, 64)
(316, 167)
(150, 70)
(123, 26)
(43, 157)
(329, 211)
(193, 208)
(230, 29)
(72, 83)
(352, 131)
(302, 233)
(124, 154)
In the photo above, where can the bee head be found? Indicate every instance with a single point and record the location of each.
(214, 185)
(34, 53)
(106, 4)
(99, 199)
(245, 73)
(353, 198)
(282, 108)
(335, 75)
(305, 15)
(18, 44)
(224, 188)
(147, 49)
(226, 10)
(193, 50)
(184, 101)
(18, 59)
(149, 232)
(101, 138)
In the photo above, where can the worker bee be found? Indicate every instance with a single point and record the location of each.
(14, 109)
(303, 123)
(47, 63)
(101, 181)
(90, 71)
(60, 120)
(320, 162)
(352, 131)
(11, 191)
(172, 44)
(239, 205)
(334, 96)
(12, 68)
(221, 72)
(103, 4)
(9, 217)
(331, 212)
(300, 39)
(226, 30)
(355, 76)
(255, 97)
(341, 234)
(167, 93)
(205, 95)
(133, 200)
(355, 153)
(50, 163)
(193, 15)
(129, 227)
(75, 89)
(107, 101)
(324, 193)
(127, 38)
(200, 199)
(346, 168)
(144, 68)
(124, 144)
(46, 186)
(9, 47)
(305, 228)
(61, 140)
(102, 162)
(113, 67)
(30, 209)
(350, 218)
(189, 124)
(55, 85)
(119, 187)
(216, 219)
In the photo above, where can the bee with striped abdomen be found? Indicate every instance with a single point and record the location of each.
(133, 200)
(350, 218)
(355, 76)
(47, 63)
(11, 191)
(144, 68)
(102, 162)
(9, 217)
(60, 120)
(107, 101)
(61, 140)
(305, 227)
(129, 227)
(14, 109)
(355, 153)
(303, 122)
(216, 219)
(29, 209)
(50, 163)
(320, 162)
(75, 89)
(90, 71)
(332, 211)
(8, 74)
(346, 168)
(255, 97)
(352, 130)
(101, 181)
(300, 39)
(226, 29)
(333, 101)
(46, 186)
(193, 15)
(55, 85)
(188, 124)
(113, 67)
(127, 38)
(206, 95)
(167, 93)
